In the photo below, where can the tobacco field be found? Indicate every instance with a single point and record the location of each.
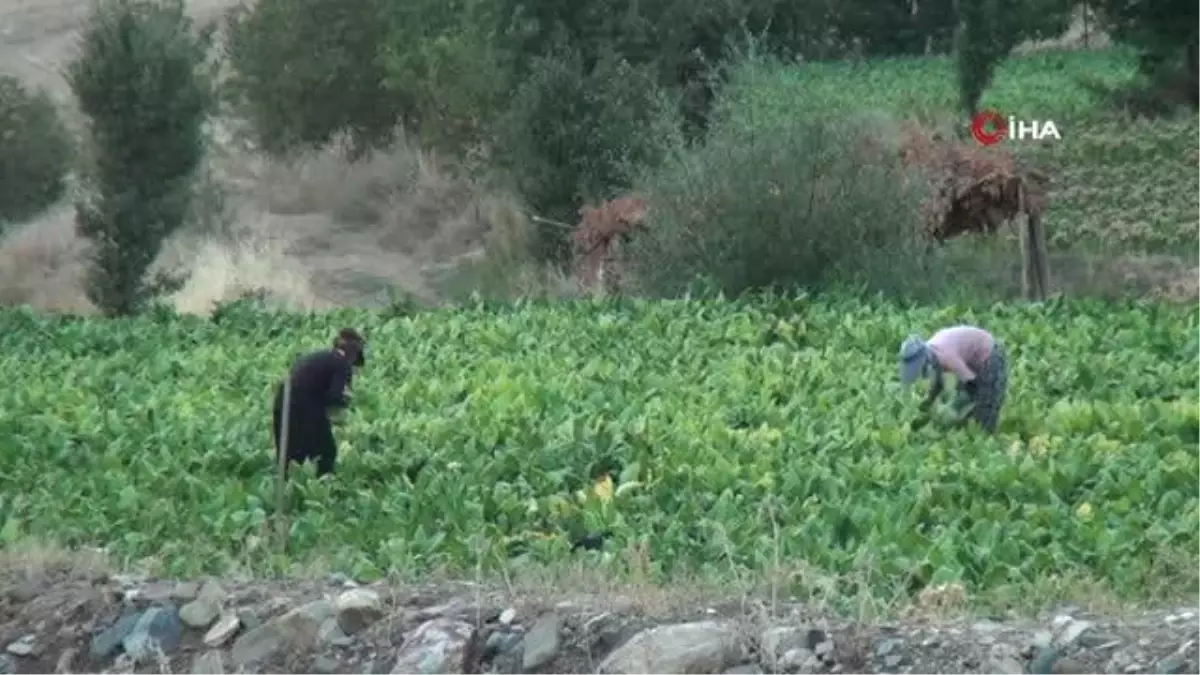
(719, 435)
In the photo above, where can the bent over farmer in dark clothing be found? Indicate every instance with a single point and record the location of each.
(977, 360)
(319, 381)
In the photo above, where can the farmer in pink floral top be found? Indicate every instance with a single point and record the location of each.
(977, 361)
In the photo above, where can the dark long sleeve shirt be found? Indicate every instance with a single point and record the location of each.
(322, 380)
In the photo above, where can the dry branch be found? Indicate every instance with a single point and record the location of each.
(597, 235)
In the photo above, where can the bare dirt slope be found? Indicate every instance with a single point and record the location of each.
(312, 233)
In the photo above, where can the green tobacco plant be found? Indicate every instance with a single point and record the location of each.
(704, 415)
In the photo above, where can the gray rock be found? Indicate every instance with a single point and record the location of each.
(66, 661)
(799, 660)
(201, 612)
(26, 646)
(105, 643)
(824, 649)
(157, 630)
(604, 631)
(436, 646)
(893, 661)
(210, 662)
(296, 630)
(249, 618)
(886, 647)
(1043, 662)
(185, 591)
(1072, 631)
(332, 634)
(697, 647)
(745, 669)
(7, 665)
(508, 616)
(778, 640)
(357, 608)
(542, 641)
(500, 642)
(222, 630)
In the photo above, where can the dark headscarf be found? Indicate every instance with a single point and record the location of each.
(352, 345)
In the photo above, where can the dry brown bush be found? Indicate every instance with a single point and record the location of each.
(599, 231)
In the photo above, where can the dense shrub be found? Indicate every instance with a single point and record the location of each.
(140, 80)
(449, 61)
(572, 136)
(303, 70)
(35, 151)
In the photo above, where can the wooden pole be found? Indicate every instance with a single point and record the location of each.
(281, 524)
(1035, 268)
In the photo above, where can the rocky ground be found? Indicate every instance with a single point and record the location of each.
(117, 623)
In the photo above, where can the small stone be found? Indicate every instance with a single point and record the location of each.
(1043, 639)
(157, 630)
(893, 661)
(436, 646)
(799, 660)
(296, 630)
(696, 647)
(1073, 630)
(332, 634)
(358, 608)
(26, 646)
(778, 640)
(888, 646)
(7, 665)
(249, 618)
(201, 612)
(1043, 663)
(106, 642)
(824, 649)
(508, 616)
(745, 669)
(500, 642)
(542, 642)
(66, 661)
(222, 630)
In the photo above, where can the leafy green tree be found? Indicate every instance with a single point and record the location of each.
(450, 61)
(304, 70)
(141, 80)
(35, 151)
(1165, 33)
(987, 32)
(572, 136)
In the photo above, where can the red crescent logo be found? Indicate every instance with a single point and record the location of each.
(980, 127)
